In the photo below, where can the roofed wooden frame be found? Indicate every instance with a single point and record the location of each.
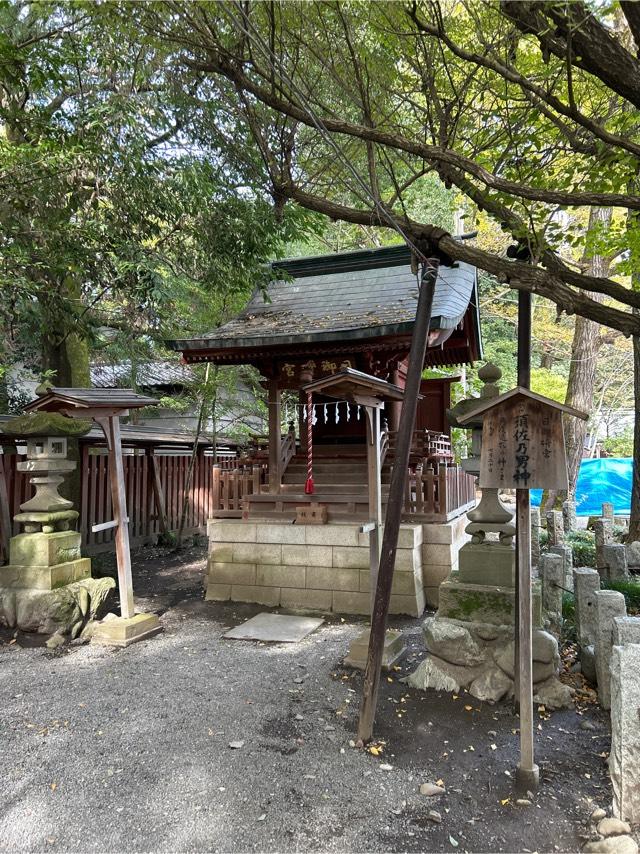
(353, 302)
(356, 387)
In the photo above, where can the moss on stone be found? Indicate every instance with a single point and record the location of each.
(45, 424)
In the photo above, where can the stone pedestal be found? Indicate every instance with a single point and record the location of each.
(122, 632)
(393, 650)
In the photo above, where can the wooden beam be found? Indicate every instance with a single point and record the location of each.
(158, 493)
(5, 516)
(111, 427)
(273, 394)
(395, 501)
(374, 476)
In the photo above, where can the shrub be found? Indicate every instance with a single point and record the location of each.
(631, 591)
(583, 547)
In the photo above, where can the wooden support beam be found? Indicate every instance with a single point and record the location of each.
(158, 493)
(374, 477)
(395, 501)
(5, 516)
(274, 396)
(111, 427)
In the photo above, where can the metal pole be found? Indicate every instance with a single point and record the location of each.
(395, 501)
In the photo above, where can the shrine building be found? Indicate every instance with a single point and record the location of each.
(350, 315)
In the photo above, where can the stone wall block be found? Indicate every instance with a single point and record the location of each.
(311, 600)
(350, 557)
(351, 603)
(218, 592)
(626, 630)
(269, 553)
(586, 582)
(609, 604)
(331, 535)
(332, 578)
(269, 596)
(278, 533)
(231, 573)
(624, 760)
(231, 531)
(268, 575)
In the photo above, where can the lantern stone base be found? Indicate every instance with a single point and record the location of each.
(484, 603)
(487, 563)
(479, 657)
(121, 631)
(392, 652)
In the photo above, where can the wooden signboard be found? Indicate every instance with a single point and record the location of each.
(523, 446)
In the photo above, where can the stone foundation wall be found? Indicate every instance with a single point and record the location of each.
(322, 567)
(440, 545)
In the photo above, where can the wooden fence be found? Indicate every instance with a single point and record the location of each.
(440, 495)
(155, 488)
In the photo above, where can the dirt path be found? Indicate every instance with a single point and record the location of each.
(107, 750)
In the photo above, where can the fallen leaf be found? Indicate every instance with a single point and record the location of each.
(53, 786)
(468, 708)
(494, 747)
(453, 841)
(262, 817)
(505, 802)
(440, 783)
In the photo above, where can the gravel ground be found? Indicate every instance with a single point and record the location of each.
(128, 750)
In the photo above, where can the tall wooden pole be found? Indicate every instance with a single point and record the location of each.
(374, 469)
(273, 395)
(395, 501)
(527, 772)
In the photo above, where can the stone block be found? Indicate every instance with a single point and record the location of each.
(441, 554)
(231, 531)
(392, 651)
(624, 760)
(44, 549)
(413, 605)
(483, 604)
(633, 555)
(588, 664)
(487, 563)
(284, 534)
(614, 556)
(603, 534)
(218, 592)
(410, 536)
(552, 575)
(305, 599)
(253, 593)
(220, 552)
(452, 642)
(586, 582)
(566, 554)
(257, 553)
(45, 577)
(609, 604)
(280, 576)
(555, 527)
(404, 583)
(125, 631)
(569, 518)
(432, 577)
(347, 602)
(351, 557)
(332, 578)
(307, 555)
(535, 536)
(626, 630)
(231, 573)
(408, 560)
(333, 534)
(607, 511)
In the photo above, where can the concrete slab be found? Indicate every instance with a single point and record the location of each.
(275, 628)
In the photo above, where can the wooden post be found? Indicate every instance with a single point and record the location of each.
(524, 380)
(395, 502)
(158, 493)
(111, 427)
(273, 394)
(215, 487)
(5, 517)
(374, 472)
(527, 773)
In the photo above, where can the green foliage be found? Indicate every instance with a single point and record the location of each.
(583, 547)
(621, 445)
(549, 383)
(568, 617)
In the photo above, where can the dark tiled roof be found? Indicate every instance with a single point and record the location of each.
(148, 374)
(358, 294)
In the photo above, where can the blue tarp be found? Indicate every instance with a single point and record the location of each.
(600, 480)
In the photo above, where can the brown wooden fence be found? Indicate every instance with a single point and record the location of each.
(155, 487)
(440, 495)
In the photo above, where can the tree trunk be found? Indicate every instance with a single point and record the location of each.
(584, 359)
(634, 519)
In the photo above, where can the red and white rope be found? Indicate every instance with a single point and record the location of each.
(308, 487)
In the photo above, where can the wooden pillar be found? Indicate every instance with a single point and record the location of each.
(111, 427)
(374, 474)
(395, 406)
(273, 394)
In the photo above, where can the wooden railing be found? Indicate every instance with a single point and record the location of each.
(427, 447)
(437, 496)
(287, 450)
(230, 488)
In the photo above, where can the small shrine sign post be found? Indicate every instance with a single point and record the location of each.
(523, 448)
